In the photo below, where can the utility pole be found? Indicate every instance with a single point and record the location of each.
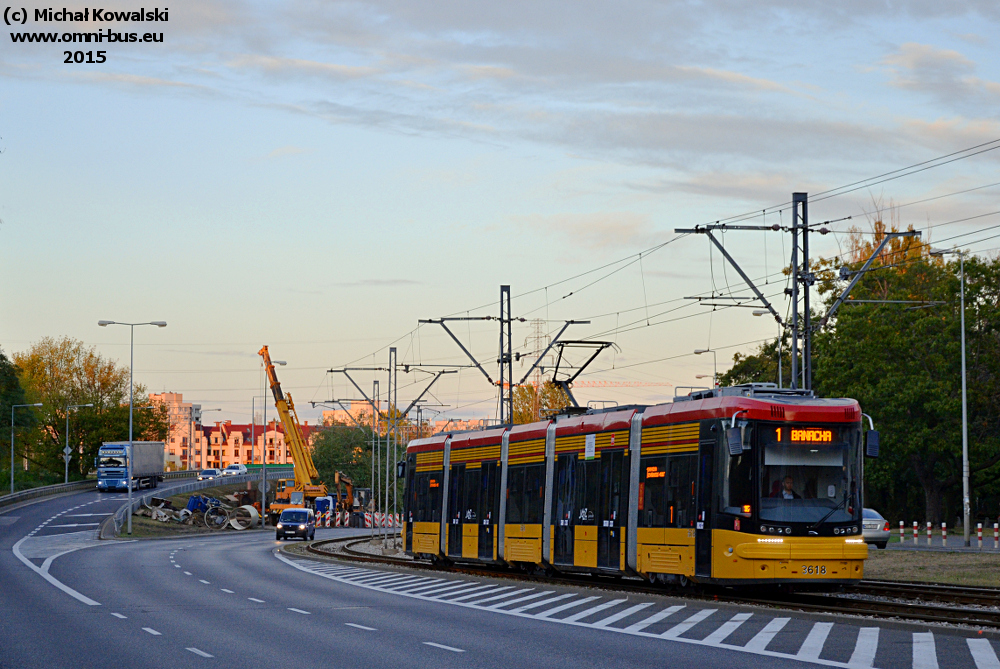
(506, 360)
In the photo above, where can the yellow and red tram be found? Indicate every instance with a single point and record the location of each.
(730, 486)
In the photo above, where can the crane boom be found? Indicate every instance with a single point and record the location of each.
(306, 475)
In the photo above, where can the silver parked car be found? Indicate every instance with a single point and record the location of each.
(875, 528)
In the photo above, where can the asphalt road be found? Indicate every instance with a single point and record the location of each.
(231, 600)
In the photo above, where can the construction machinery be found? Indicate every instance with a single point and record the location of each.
(302, 491)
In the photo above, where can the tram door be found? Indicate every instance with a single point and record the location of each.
(456, 509)
(471, 513)
(411, 501)
(489, 508)
(563, 508)
(703, 511)
(609, 530)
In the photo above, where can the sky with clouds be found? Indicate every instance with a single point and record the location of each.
(319, 176)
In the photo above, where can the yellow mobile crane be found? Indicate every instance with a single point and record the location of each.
(305, 487)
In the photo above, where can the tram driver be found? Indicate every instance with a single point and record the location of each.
(786, 491)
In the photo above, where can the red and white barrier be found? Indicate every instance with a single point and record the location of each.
(996, 535)
(928, 533)
(902, 533)
(368, 519)
(944, 534)
(399, 521)
(915, 532)
(979, 534)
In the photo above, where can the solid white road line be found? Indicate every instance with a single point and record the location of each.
(199, 652)
(655, 618)
(443, 647)
(151, 631)
(983, 654)
(924, 653)
(361, 627)
(305, 613)
(813, 645)
(118, 615)
(865, 648)
(763, 637)
(727, 628)
(254, 599)
(687, 624)
(43, 571)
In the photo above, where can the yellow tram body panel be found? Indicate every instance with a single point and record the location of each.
(427, 538)
(523, 543)
(736, 555)
(665, 550)
(470, 540)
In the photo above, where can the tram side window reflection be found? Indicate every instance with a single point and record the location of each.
(736, 486)
(525, 494)
(427, 494)
(588, 489)
(666, 491)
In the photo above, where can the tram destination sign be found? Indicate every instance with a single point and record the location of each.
(805, 435)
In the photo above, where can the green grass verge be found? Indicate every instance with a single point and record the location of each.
(974, 569)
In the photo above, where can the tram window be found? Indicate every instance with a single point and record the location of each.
(680, 489)
(736, 486)
(653, 507)
(473, 483)
(525, 494)
(515, 495)
(534, 493)
(588, 490)
(427, 489)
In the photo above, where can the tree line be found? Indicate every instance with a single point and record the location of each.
(58, 373)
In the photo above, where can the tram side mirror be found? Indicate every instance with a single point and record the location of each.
(401, 469)
(871, 444)
(734, 436)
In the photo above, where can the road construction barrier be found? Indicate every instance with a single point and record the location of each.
(368, 519)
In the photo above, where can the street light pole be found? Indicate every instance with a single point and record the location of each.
(131, 360)
(965, 416)
(715, 365)
(67, 450)
(12, 407)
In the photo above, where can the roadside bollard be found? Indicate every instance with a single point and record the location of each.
(979, 534)
(944, 534)
(915, 535)
(996, 535)
(902, 533)
(928, 533)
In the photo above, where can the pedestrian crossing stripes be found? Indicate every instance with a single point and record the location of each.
(802, 640)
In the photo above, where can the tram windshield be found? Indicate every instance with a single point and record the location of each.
(810, 473)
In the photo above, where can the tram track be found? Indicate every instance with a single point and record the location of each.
(913, 602)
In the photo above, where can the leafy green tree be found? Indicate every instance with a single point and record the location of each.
(345, 449)
(63, 372)
(11, 393)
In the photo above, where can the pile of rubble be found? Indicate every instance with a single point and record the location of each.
(213, 513)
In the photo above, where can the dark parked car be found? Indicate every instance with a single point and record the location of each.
(296, 523)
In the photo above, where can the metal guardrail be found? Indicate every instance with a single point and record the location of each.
(119, 517)
(45, 490)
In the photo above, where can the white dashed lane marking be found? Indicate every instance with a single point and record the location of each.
(118, 615)
(199, 652)
(229, 591)
(305, 613)
(361, 627)
(151, 631)
(254, 599)
(443, 647)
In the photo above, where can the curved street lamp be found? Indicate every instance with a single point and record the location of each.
(131, 357)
